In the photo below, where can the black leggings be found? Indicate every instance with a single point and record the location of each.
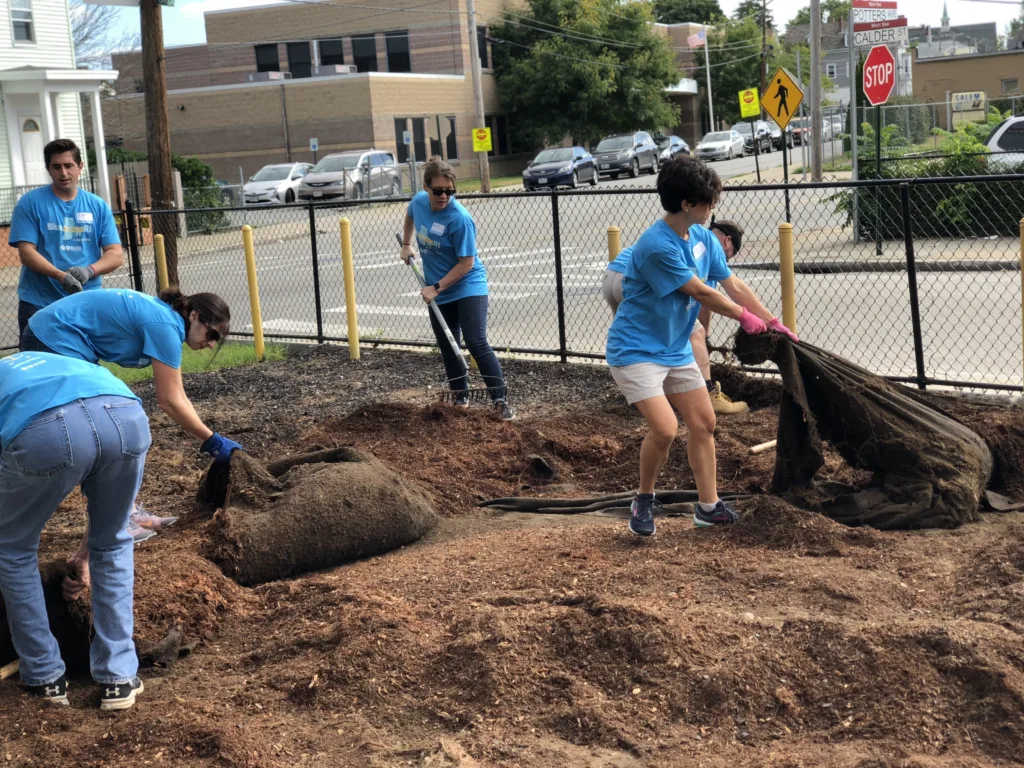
(468, 317)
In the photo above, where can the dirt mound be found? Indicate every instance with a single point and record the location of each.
(307, 513)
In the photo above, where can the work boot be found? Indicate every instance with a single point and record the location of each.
(118, 696)
(55, 692)
(723, 404)
(145, 519)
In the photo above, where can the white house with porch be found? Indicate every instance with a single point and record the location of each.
(40, 93)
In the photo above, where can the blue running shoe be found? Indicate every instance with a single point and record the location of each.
(641, 518)
(722, 514)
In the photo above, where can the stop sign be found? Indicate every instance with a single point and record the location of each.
(879, 75)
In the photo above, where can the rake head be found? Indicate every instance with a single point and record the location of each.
(473, 393)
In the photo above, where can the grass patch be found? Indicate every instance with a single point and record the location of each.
(232, 355)
(473, 185)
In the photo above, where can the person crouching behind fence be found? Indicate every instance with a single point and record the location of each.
(135, 330)
(66, 423)
(611, 289)
(649, 348)
(456, 279)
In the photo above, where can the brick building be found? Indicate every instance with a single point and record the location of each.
(998, 74)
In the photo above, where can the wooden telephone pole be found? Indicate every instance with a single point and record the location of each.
(158, 133)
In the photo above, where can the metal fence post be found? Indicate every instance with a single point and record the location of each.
(559, 292)
(316, 276)
(915, 307)
(614, 243)
(349, 272)
(254, 291)
(160, 258)
(787, 275)
(133, 245)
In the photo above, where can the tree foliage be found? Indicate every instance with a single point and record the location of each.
(1017, 25)
(583, 69)
(831, 10)
(755, 9)
(683, 11)
(95, 36)
(734, 53)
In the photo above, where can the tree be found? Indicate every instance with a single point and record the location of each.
(734, 54)
(755, 9)
(683, 11)
(94, 34)
(1017, 25)
(831, 10)
(583, 69)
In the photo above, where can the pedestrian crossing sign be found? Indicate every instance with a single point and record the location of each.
(782, 97)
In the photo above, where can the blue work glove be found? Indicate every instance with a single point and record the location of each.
(82, 274)
(219, 447)
(70, 283)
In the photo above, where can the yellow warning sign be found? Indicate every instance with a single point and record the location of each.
(748, 103)
(482, 140)
(782, 97)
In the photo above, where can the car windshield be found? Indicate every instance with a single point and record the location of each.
(663, 142)
(615, 142)
(711, 138)
(800, 122)
(334, 163)
(743, 128)
(554, 156)
(272, 173)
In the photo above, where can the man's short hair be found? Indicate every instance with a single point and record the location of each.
(59, 147)
(732, 230)
(687, 179)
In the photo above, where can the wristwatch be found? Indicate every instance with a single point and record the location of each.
(437, 287)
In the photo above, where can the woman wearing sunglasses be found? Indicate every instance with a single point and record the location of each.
(135, 330)
(456, 279)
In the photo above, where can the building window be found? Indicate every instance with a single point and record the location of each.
(419, 138)
(397, 46)
(481, 44)
(452, 145)
(401, 126)
(266, 58)
(300, 62)
(30, 126)
(364, 53)
(331, 52)
(503, 136)
(1011, 85)
(830, 70)
(21, 19)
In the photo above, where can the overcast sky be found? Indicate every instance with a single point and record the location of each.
(183, 23)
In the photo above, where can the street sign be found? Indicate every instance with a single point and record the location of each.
(481, 139)
(879, 75)
(314, 145)
(749, 106)
(894, 32)
(407, 137)
(782, 97)
(868, 15)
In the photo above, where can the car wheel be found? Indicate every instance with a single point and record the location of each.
(634, 169)
(575, 183)
(289, 197)
(396, 188)
(654, 167)
(357, 191)
(596, 177)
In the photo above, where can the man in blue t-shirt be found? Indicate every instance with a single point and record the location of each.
(649, 348)
(66, 237)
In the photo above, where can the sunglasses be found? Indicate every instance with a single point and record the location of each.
(212, 334)
(438, 191)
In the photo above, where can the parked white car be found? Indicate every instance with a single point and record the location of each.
(1007, 142)
(275, 183)
(720, 145)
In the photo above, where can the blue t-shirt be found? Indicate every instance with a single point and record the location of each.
(655, 318)
(443, 237)
(67, 234)
(117, 326)
(622, 260)
(33, 382)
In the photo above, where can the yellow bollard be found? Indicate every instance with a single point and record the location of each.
(614, 243)
(161, 261)
(350, 289)
(1022, 276)
(254, 291)
(788, 277)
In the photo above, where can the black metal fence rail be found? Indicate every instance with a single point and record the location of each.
(926, 289)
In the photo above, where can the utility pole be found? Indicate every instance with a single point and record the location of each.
(707, 71)
(764, 41)
(478, 93)
(158, 133)
(816, 121)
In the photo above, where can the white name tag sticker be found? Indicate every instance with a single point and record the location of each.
(83, 217)
(437, 228)
(699, 251)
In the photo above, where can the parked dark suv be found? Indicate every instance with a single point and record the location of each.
(627, 153)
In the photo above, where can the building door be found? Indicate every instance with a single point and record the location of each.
(32, 152)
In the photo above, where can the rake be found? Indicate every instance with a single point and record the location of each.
(448, 395)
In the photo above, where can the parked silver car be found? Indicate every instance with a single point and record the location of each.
(275, 183)
(353, 175)
(721, 145)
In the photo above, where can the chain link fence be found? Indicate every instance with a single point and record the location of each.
(917, 280)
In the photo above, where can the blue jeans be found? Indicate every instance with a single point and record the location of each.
(25, 312)
(99, 443)
(468, 317)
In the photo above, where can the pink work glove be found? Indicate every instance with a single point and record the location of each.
(751, 323)
(776, 325)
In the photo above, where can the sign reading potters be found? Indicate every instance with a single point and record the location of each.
(481, 139)
(749, 106)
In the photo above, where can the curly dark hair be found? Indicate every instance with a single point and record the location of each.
(687, 179)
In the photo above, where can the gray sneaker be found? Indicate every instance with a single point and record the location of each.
(501, 408)
(641, 517)
(722, 514)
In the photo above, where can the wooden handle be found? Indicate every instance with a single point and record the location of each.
(10, 670)
(763, 447)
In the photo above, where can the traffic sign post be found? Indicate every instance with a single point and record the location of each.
(879, 80)
(782, 98)
(751, 108)
(481, 139)
(314, 146)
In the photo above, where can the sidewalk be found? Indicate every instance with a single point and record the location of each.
(775, 176)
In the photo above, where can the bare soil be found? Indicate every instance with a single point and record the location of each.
(552, 640)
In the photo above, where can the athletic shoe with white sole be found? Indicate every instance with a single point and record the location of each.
(145, 519)
(641, 516)
(501, 408)
(119, 696)
(55, 692)
(139, 534)
(722, 514)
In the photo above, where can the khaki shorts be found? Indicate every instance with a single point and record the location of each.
(642, 381)
(611, 288)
